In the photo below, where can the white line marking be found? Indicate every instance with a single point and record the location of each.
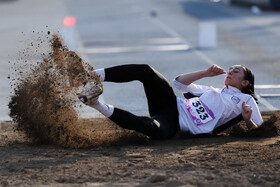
(269, 95)
(267, 86)
(266, 103)
(133, 41)
(135, 49)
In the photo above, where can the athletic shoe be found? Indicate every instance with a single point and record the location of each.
(90, 97)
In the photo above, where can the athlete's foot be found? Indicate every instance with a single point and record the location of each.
(85, 77)
(90, 97)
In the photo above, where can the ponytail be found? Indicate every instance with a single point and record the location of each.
(248, 75)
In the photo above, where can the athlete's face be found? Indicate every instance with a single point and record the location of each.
(235, 77)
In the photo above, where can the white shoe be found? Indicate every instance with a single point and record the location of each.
(90, 97)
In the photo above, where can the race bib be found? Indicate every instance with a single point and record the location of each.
(199, 112)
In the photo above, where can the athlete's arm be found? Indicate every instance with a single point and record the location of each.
(247, 113)
(189, 78)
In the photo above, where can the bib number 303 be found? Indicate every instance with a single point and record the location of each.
(199, 113)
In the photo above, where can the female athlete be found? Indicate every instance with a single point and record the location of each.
(170, 114)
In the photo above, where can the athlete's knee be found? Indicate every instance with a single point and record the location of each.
(148, 70)
(146, 67)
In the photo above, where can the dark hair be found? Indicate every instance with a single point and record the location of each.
(248, 75)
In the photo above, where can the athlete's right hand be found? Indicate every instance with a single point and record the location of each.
(214, 70)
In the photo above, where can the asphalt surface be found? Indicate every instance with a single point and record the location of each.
(20, 22)
(161, 33)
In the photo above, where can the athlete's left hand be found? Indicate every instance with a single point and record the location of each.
(246, 111)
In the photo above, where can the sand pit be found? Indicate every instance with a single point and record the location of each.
(132, 160)
(270, 127)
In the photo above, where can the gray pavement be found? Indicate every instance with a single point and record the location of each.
(161, 33)
(19, 18)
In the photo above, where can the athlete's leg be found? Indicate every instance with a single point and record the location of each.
(158, 91)
(161, 100)
(157, 127)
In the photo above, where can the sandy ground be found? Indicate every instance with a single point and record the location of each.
(130, 159)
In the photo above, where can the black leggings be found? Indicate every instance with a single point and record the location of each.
(164, 121)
